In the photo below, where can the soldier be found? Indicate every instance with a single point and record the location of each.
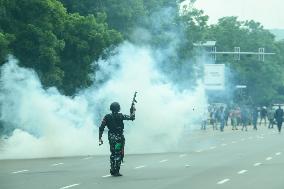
(114, 123)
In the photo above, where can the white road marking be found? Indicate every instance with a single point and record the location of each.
(234, 142)
(86, 158)
(278, 153)
(56, 164)
(140, 167)
(199, 151)
(223, 181)
(106, 176)
(257, 164)
(21, 171)
(182, 155)
(165, 160)
(213, 147)
(224, 144)
(242, 172)
(187, 165)
(70, 186)
(269, 158)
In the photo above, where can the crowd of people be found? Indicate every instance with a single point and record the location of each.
(219, 116)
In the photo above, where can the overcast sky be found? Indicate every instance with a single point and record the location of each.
(269, 13)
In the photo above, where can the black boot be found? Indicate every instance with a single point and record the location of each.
(112, 172)
(117, 174)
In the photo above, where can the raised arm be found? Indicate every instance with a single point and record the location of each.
(127, 117)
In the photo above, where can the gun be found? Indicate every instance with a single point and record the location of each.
(132, 114)
(132, 108)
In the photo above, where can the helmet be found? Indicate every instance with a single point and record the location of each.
(114, 107)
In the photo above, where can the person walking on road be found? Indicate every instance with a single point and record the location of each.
(270, 116)
(279, 118)
(213, 117)
(227, 114)
(234, 119)
(263, 115)
(204, 119)
(245, 118)
(254, 118)
(222, 116)
(114, 123)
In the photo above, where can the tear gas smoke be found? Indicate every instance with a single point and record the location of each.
(44, 123)
(49, 124)
(163, 111)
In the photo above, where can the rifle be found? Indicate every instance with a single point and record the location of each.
(132, 114)
(132, 108)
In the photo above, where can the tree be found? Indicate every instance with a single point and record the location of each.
(36, 24)
(85, 41)
(195, 23)
(121, 15)
(5, 40)
(261, 78)
(59, 46)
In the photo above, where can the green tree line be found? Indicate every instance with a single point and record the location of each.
(264, 79)
(59, 45)
(61, 38)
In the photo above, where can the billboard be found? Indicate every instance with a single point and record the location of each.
(214, 76)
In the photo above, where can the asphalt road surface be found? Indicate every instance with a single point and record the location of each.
(213, 160)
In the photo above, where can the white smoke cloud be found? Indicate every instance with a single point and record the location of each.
(47, 123)
(50, 124)
(163, 112)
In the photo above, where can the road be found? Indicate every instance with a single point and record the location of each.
(215, 160)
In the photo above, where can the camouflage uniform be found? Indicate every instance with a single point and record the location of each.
(114, 123)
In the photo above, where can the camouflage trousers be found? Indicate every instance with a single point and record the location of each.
(116, 143)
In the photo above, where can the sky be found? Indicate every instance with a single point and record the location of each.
(269, 13)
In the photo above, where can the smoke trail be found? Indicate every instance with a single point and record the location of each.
(163, 112)
(46, 123)
(49, 124)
